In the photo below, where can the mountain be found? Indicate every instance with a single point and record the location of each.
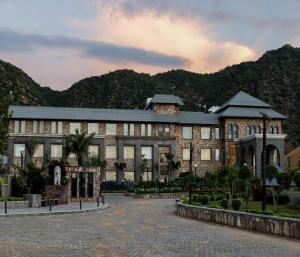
(274, 78)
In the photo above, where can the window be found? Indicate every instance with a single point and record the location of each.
(258, 129)
(253, 130)
(128, 152)
(18, 149)
(205, 133)
(39, 152)
(205, 154)
(41, 127)
(146, 130)
(187, 132)
(217, 132)
(149, 130)
(248, 131)
(143, 130)
(94, 151)
(17, 128)
(126, 131)
(34, 127)
(270, 130)
(93, 128)
(146, 151)
(276, 130)
(23, 126)
(131, 129)
(56, 151)
(186, 154)
(74, 126)
(53, 127)
(164, 130)
(217, 155)
(111, 129)
(111, 152)
(232, 132)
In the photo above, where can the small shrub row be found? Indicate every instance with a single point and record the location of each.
(266, 212)
(203, 199)
(294, 206)
(11, 199)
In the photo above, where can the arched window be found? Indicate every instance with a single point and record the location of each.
(275, 130)
(235, 131)
(270, 130)
(258, 129)
(248, 131)
(229, 132)
(253, 130)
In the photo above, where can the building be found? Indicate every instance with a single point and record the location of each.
(292, 159)
(231, 134)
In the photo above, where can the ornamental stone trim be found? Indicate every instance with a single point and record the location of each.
(279, 226)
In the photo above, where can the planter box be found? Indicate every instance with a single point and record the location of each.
(15, 205)
(279, 226)
(60, 192)
(34, 199)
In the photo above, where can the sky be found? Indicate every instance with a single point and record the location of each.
(58, 42)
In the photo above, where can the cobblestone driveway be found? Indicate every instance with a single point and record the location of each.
(133, 227)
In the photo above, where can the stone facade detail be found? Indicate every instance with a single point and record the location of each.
(278, 226)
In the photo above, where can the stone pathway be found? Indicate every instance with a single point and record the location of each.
(133, 227)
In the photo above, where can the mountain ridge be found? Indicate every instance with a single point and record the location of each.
(273, 78)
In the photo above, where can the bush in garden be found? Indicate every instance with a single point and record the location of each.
(236, 204)
(283, 199)
(224, 203)
(284, 179)
(294, 206)
(204, 199)
(297, 179)
(195, 197)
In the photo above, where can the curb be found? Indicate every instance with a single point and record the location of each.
(55, 212)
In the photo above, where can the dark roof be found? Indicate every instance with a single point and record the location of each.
(250, 112)
(167, 99)
(244, 100)
(124, 115)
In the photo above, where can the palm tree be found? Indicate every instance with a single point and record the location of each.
(30, 146)
(78, 143)
(121, 168)
(172, 165)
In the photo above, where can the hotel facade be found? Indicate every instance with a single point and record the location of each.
(229, 134)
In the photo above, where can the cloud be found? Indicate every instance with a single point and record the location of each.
(183, 36)
(12, 41)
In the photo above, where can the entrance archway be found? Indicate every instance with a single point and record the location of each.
(273, 156)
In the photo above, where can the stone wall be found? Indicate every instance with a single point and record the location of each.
(15, 205)
(279, 226)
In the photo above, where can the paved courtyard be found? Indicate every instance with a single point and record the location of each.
(133, 227)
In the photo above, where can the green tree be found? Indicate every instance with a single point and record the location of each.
(5, 116)
(78, 144)
(211, 179)
(102, 165)
(30, 146)
(271, 173)
(245, 175)
(143, 166)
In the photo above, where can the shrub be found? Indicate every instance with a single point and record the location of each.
(284, 179)
(294, 206)
(297, 179)
(204, 199)
(224, 203)
(195, 198)
(236, 204)
(283, 199)
(266, 212)
(211, 205)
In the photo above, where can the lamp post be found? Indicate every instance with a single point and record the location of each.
(190, 175)
(264, 159)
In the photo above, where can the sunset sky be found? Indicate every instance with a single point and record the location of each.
(58, 42)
